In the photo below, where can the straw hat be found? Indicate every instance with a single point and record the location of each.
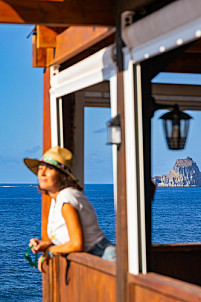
(59, 157)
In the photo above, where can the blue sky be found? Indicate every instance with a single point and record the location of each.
(20, 104)
(21, 100)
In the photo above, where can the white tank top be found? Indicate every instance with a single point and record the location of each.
(57, 229)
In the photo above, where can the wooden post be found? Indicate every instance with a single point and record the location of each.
(46, 146)
(121, 224)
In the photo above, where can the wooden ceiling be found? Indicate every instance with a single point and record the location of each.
(72, 12)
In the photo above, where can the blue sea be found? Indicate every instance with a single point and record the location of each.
(176, 218)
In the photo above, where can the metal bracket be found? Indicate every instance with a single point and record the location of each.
(54, 70)
(126, 19)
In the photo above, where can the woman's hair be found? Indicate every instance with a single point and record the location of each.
(64, 181)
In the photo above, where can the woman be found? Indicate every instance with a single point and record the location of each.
(72, 223)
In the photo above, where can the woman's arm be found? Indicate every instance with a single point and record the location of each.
(72, 220)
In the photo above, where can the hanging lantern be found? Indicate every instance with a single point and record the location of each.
(176, 124)
(114, 131)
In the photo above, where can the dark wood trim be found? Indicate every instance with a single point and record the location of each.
(68, 108)
(176, 247)
(179, 261)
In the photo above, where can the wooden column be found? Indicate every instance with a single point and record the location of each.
(46, 145)
(121, 219)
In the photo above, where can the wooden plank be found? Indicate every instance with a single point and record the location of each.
(56, 278)
(45, 289)
(57, 12)
(165, 287)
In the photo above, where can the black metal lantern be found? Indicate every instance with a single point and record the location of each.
(176, 124)
(114, 131)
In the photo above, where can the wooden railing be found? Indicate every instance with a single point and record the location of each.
(153, 288)
(89, 278)
(92, 279)
(180, 261)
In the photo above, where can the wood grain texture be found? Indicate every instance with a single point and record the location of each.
(154, 287)
(67, 12)
(87, 283)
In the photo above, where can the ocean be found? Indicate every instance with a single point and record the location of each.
(176, 218)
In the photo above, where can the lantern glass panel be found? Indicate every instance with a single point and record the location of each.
(176, 133)
(114, 135)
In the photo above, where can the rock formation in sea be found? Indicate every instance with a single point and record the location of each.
(185, 173)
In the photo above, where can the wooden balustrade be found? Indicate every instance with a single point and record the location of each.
(90, 279)
(93, 279)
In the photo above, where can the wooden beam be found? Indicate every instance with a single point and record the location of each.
(51, 47)
(77, 12)
(38, 54)
(57, 13)
(46, 37)
(74, 40)
(187, 97)
(43, 45)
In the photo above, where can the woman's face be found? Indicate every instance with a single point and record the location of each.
(48, 178)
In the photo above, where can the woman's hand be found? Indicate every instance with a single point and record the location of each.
(42, 261)
(39, 245)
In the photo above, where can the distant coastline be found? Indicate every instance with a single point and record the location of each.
(185, 173)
